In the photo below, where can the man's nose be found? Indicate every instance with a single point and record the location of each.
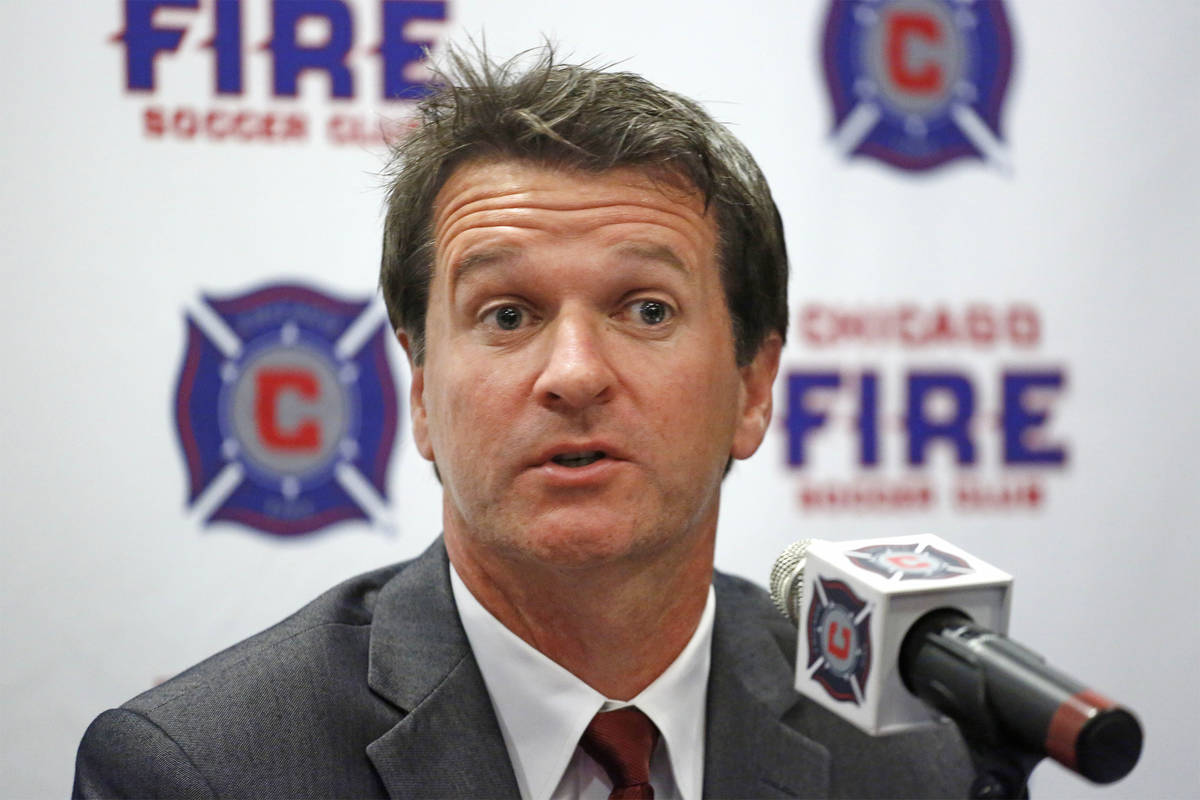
(577, 372)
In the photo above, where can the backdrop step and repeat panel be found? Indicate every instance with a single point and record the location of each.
(991, 210)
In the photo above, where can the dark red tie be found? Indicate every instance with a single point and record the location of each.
(621, 741)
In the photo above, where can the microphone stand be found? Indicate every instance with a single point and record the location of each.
(1001, 771)
(1006, 700)
(1002, 766)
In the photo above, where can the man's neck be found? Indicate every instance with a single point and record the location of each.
(615, 625)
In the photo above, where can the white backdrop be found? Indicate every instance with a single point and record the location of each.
(112, 234)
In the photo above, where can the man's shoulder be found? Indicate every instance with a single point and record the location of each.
(749, 603)
(273, 706)
(926, 762)
(339, 616)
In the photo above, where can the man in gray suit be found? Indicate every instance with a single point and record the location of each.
(589, 278)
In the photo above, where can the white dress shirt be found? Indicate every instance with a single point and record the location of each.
(543, 710)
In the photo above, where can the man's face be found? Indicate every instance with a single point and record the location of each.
(579, 392)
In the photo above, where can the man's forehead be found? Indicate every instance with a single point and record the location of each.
(500, 256)
(485, 202)
(512, 180)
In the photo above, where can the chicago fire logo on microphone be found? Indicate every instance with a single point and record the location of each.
(918, 83)
(286, 410)
(904, 562)
(839, 641)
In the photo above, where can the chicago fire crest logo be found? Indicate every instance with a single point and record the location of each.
(286, 410)
(909, 561)
(839, 641)
(918, 83)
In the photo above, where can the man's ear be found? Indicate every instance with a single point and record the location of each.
(416, 399)
(754, 416)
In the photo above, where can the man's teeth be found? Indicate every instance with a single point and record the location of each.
(578, 459)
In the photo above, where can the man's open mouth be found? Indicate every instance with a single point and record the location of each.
(578, 459)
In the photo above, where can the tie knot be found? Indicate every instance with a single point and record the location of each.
(621, 742)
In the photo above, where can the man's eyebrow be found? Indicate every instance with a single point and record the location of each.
(653, 252)
(480, 258)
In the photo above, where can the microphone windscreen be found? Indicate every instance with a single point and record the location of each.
(787, 579)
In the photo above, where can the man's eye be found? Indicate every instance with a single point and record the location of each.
(508, 318)
(651, 312)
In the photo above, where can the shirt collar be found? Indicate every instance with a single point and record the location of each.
(543, 709)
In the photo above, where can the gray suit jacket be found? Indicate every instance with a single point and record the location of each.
(372, 691)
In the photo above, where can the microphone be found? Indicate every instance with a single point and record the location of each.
(886, 621)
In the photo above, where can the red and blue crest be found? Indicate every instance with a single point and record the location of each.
(904, 562)
(918, 83)
(286, 410)
(839, 640)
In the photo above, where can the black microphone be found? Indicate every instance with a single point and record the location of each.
(887, 617)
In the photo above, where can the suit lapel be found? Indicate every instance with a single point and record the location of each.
(749, 750)
(449, 743)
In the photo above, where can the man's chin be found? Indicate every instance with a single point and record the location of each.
(588, 541)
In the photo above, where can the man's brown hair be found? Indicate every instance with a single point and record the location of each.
(533, 108)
